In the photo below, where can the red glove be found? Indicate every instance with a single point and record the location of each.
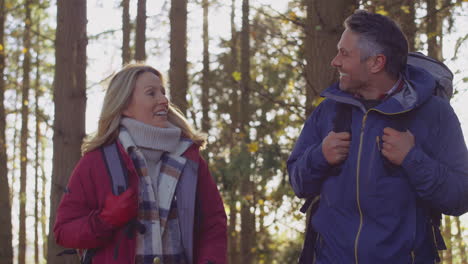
(119, 210)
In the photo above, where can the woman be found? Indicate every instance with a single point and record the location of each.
(171, 211)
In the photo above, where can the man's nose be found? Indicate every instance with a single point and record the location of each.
(335, 62)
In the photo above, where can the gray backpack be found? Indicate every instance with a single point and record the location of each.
(438, 70)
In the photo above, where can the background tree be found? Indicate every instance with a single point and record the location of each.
(140, 39)
(24, 130)
(247, 218)
(70, 103)
(178, 76)
(403, 12)
(126, 29)
(6, 249)
(206, 69)
(324, 25)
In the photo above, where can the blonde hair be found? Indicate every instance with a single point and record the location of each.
(117, 98)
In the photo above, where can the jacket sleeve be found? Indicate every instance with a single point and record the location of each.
(212, 239)
(77, 224)
(442, 179)
(307, 165)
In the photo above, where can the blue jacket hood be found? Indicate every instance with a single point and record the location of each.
(419, 87)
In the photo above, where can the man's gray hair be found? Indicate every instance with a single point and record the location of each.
(380, 35)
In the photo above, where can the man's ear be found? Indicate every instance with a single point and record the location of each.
(377, 63)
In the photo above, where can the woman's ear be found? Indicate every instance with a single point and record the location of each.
(127, 112)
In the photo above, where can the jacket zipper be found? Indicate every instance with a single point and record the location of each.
(361, 215)
(356, 242)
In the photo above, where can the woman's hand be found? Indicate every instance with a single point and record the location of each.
(119, 210)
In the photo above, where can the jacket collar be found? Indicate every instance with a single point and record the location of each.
(418, 87)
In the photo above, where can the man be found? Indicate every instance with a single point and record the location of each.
(402, 158)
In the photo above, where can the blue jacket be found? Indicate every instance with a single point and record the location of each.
(371, 211)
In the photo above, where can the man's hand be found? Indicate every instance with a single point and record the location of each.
(335, 147)
(396, 145)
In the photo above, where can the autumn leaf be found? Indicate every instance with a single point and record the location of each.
(236, 75)
(405, 9)
(253, 147)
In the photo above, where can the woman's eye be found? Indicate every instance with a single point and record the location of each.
(151, 93)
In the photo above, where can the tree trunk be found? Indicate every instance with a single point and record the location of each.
(233, 253)
(36, 156)
(43, 202)
(206, 70)
(324, 26)
(461, 244)
(178, 78)
(6, 248)
(70, 105)
(434, 31)
(407, 21)
(403, 12)
(247, 218)
(140, 39)
(126, 28)
(233, 250)
(24, 133)
(233, 68)
(448, 254)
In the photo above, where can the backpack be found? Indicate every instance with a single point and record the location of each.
(118, 174)
(441, 73)
(342, 123)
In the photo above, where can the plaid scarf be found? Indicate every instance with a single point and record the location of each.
(157, 204)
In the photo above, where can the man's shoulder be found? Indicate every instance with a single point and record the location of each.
(436, 105)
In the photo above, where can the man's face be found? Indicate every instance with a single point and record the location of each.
(354, 73)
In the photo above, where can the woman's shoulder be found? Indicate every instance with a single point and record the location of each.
(90, 159)
(193, 153)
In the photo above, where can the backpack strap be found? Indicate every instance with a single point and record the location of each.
(343, 117)
(115, 168)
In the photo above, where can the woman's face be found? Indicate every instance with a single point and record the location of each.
(148, 103)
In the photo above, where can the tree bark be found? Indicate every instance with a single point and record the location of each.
(448, 254)
(434, 31)
(36, 158)
(24, 132)
(206, 70)
(233, 68)
(6, 248)
(324, 26)
(403, 12)
(126, 28)
(70, 105)
(140, 39)
(233, 250)
(37, 151)
(461, 244)
(247, 218)
(407, 21)
(178, 78)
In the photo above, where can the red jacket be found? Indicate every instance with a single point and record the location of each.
(77, 224)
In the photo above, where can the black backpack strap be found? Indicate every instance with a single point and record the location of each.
(343, 117)
(115, 168)
(308, 250)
